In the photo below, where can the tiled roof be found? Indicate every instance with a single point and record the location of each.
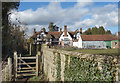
(98, 37)
(55, 34)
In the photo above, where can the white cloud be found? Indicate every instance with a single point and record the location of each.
(106, 16)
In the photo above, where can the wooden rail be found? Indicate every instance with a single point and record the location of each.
(21, 70)
(26, 58)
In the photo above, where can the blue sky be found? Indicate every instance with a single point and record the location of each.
(75, 15)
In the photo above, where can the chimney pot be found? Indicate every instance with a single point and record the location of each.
(65, 30)
(34, 31)
(80, 30)
(60, 29)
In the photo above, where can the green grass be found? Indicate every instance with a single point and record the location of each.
(111, 52)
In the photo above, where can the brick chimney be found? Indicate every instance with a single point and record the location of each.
(65, 30)
(34, 32)
(60, 29)
(80, 30)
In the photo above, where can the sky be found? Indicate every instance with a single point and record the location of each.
(75, 15)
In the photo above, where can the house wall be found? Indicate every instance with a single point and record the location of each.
(108, 44)
(78, 44)
(113, 44)
(75, 44)
(62, 36)
(62, 39)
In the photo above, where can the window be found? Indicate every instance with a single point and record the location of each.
(115, 43)
(66, 39)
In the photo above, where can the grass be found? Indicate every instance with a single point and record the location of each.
(111, 52)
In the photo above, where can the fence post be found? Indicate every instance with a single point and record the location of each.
(6, 73)
(30, 49)
(15, 64)
(37, 64)
(10, 68)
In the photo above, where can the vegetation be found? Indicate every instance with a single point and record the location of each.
(52, 27)
(96, 30)
(88, 70)
(13, 36)
(42, 77)
(111, 52)
(58, 68)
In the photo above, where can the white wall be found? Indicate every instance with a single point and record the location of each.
(75, 44)
(78, 44)
(62, 37)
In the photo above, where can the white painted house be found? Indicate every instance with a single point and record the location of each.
(76, 39)
(65, 38)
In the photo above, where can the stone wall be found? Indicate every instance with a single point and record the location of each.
(58, 63)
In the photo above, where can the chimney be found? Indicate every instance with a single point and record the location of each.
(60, 29)
(65, 30)
(34, 32)
(80, 30)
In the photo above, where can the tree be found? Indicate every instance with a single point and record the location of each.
(108, 32)
(43, 29)
(101, 30)
(50, 27)
(96, 31)
(6, 29)
(88, 32)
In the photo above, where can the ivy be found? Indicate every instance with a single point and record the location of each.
(58, 68)
(87, 70)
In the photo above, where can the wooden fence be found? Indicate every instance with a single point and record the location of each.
(7, 68)
(21, 66)
(26, 65)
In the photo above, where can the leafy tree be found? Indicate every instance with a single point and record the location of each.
(43, 29)
(18, 41)
(50, 27)
(88, 32)
(13, 38)
(96, 31)
(6, 29)
(101, 30)
(108, 32)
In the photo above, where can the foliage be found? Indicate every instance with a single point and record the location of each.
(96, 30)
(42, 77)
(43, 29)
(58, 68)
(111, 52)
(52, 27)
(87, 70)
(18, 42)
(6, 27)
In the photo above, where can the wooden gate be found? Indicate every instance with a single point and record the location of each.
(26, 65)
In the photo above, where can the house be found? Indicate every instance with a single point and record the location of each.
(51, 38)
(76, 39)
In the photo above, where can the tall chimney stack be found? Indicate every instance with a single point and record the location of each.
(60, 29)
(65, 30)
(34, 32)
(80, 30)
